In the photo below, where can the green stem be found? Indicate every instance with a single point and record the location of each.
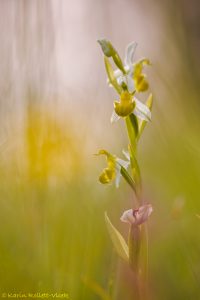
(128, 178)
(134, 243)
(134, 234)
(132, 130)
(146, 275)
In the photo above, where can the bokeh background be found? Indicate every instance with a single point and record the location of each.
(55, 108)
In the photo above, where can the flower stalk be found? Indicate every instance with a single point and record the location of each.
(134, 243)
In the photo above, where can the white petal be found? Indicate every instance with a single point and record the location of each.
(130, 84)
(117, 73)
(108, 82)
(114, 117)
(128, 80)
(121, 79)
(118, 177)
(120, 163)
(123, 163)
(142, 213)
(127, 68)
(128, 217)
(130, 50)
(126, 154)
(142, 111)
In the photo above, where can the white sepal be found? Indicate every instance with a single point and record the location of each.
(126, 154)
(129, 53)
(142, 111)
(128, 80)
(114, 117)
(123, 163)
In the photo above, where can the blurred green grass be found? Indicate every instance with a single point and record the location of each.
(53, 237)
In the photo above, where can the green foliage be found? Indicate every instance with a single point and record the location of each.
(111, 75)
(128, 178)
(119, 243)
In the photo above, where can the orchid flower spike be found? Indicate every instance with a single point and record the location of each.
(138, 216)
(113, 170)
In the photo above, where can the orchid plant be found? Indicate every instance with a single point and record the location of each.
(129, 81)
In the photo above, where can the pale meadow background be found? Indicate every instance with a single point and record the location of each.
(55, 108)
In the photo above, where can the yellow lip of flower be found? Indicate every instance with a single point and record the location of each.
(113, 169)
(126, 105)
(141, 83)
(123, 110)
(107, 175)
(129, 104)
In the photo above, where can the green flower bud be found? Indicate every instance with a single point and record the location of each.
(109, 51)
(106, 47)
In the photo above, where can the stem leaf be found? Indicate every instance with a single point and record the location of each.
(96, 288)
(142, 124)
(111, 75)
(128, 178)
(117, 239)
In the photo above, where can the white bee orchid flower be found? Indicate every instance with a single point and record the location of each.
(127, 78)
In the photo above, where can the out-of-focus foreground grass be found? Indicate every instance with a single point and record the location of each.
(52, 232)
(53, 237)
